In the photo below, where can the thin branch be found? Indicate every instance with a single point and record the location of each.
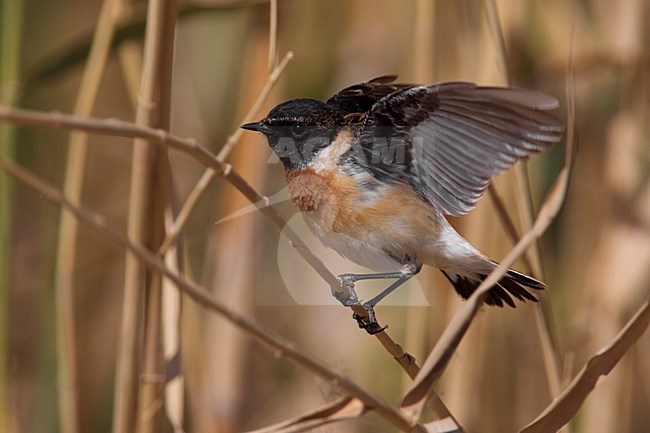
(567, 404)
(495, 27)
(255, 109)
(341, 409)
(279, 345)
(273, 35)
(209, 174)
(543, 314)
(507, 222)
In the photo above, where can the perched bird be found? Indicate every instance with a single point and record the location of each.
(376, 168)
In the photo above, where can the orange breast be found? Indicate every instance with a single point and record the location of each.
(309, 190)
(334, 202)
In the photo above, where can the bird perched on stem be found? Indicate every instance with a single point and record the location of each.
(376, 167)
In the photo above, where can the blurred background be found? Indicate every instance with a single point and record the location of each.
(596, 255)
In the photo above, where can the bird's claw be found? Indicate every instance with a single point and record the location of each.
(370, 323)
(348, 297)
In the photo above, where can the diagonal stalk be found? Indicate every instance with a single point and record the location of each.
(543, 314)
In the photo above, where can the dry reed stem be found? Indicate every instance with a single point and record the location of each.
(273, 36)
(168, 326)
(171, 341)
(444, 425)
(506, 220)
(130, 57)
(543, 315)
(279, 345)
(140, 223)
(254, 110)
(341, 409)
(209, 174)
(151, 378)
(497, 33)
(150, 394)
(11, 62)
(423, 39)
(567, 404)
(68, 226)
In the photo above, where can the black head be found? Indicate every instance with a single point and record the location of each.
(298, 129)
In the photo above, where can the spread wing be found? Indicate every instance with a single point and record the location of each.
(360, 98)
(448, 140)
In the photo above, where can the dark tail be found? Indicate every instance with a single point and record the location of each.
(513, 283)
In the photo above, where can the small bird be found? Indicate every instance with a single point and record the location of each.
(375, 169)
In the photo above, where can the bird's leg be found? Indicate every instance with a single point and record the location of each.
(388, 290)
(347, 280)
(349, 296)
(359, 277)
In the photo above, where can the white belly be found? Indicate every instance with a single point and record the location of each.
(369, 252)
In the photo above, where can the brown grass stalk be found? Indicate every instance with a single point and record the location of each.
(11, 53)
(273, 36)
(500, 376)
(151, 385)
(142, 222)
(280, 346)
(341, 409)
(169, 315)
(149, 404)
(506, 220)
(567, 404)
(129, 55)
(174, 389)
(151, 377)
(543, 315)
(68, 381)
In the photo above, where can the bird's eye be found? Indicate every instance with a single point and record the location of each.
(299, 129)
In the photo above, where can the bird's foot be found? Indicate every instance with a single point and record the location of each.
(348, 297)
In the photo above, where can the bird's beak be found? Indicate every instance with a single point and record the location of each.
(254, 126)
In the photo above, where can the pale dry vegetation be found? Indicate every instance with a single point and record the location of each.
(124, 307)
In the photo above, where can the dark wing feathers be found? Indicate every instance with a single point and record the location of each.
(518, 97)
(360, 98)
(452, 137)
